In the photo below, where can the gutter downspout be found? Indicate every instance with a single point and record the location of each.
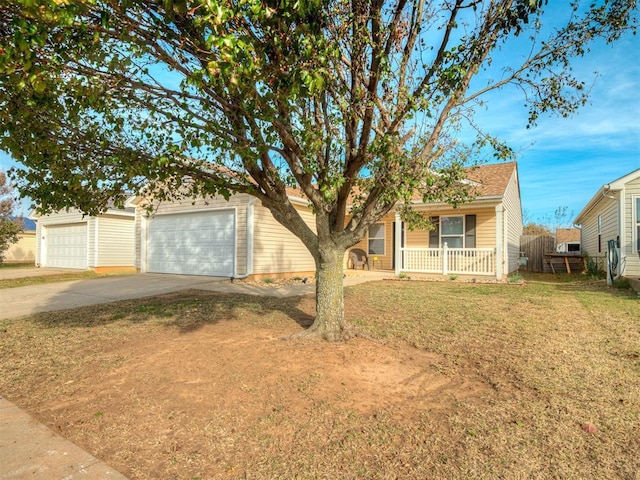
(621, 232)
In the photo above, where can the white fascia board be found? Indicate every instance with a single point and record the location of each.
(616, 186)
(595, 200)
(486, 200)
(619, 183)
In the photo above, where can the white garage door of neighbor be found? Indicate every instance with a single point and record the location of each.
(65, 246)
(192, 244)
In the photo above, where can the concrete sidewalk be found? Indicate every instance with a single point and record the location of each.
(29, 450)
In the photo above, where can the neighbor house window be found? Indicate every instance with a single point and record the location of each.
(637, 224)
(599, 233)
(376, 239)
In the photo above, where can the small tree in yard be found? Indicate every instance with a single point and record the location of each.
(9, 228)
(356, 103)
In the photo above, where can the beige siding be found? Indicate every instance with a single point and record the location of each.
(607, 208)
(416, 238)
(276, 249)
(238, 202)
(23, 251)
(92, 242)
(513, 223)
(137, 245)
(115, 246)
(485, 228)
(631, 255)
(384, 261)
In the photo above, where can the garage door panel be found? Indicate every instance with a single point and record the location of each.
(66, 246)
(200, 243)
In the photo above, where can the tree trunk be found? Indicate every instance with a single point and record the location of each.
(329, 322)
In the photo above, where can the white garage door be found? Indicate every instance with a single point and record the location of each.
(192, 244)
(65, 246)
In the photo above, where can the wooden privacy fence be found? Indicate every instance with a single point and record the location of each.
(534, 247)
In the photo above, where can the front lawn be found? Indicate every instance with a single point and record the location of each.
(449, 380)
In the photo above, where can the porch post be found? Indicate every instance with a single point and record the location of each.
(499, 242)
(399, 263)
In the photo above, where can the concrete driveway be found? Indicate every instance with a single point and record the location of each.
(15, 302)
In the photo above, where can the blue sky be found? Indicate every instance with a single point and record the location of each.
(563, 161)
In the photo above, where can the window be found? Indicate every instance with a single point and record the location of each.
(452, 232)
(456, 231)
(376, 239)
(599, 233)
(637, 224)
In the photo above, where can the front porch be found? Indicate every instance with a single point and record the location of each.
(448, 261)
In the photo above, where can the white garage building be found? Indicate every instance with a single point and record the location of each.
(73, 240)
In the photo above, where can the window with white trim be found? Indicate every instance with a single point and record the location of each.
(376, 239)
(457, 231)
(452, 231)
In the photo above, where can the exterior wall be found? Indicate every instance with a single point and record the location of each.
(23, 251)
(485, 232)
(513, 223)
(385, 261)
(275, 249)
(59, 218)
(239, 202)
(115, 241)
(607, 208)
(628, 247)
(485, 228)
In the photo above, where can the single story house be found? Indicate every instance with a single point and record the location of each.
(240, 238)
(612, 218)
(480, 238)
(69, 239)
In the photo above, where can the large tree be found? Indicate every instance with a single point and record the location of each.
(354, 103)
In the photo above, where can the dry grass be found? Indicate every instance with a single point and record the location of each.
(52, 278)
(463, 381)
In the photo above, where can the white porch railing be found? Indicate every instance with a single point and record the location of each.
(463, 261)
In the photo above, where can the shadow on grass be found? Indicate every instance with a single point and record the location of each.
(187, 310)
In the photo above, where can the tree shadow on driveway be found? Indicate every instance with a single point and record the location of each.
(187, 310)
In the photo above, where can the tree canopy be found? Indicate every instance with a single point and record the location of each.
(356, 104)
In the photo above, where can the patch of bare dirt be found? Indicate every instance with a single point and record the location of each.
(201, 403)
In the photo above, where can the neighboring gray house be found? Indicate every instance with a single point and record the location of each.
(69, 239)
(613, 214)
